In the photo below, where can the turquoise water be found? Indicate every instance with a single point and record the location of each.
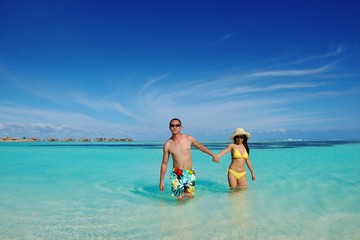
(304, 190)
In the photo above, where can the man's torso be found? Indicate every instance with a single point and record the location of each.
(180, 150)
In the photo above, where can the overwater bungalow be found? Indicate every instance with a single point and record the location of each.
(51, 139)
(85, 139)
(99, 139)
(69, 139)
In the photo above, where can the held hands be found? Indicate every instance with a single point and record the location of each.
(216, 159)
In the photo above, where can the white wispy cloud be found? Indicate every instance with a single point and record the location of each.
(269, 98)
(65, 95)
(255, 99)
(290, 72)
(234, 91)
(227, 36)
(299, 85)
(103, 105)
(234, 85)
(333, 52)
(17, 120)
(151, 82)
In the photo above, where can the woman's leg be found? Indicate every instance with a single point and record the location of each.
(232, 180)
(242, 183)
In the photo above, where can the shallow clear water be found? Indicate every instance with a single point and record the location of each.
(304, 190)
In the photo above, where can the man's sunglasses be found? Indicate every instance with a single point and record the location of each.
(175, 125)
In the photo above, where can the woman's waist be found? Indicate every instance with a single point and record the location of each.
(237, 167)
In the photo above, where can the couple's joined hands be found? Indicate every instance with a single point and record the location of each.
(216, 159)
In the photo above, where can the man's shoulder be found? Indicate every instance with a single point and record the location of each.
(169, 141)
(180, 137)
(190, 138)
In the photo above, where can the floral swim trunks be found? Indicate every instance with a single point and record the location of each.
(182, 182)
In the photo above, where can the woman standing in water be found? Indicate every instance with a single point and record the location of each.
(239, 156)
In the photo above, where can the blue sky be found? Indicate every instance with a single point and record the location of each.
(279, 69)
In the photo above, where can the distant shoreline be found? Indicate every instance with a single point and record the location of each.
(34, 139)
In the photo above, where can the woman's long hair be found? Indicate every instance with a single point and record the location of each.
(245, 143)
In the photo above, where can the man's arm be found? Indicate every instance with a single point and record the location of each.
(163, 166)
(204, 149)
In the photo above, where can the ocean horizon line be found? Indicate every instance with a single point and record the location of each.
(128, 139)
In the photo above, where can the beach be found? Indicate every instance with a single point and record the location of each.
(78, 190)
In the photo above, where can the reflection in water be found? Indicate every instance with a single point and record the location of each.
(239, 211)
(179, 220)
(225, 215)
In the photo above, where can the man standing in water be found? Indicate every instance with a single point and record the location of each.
(182, 175)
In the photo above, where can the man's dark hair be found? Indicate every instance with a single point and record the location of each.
(174, 119)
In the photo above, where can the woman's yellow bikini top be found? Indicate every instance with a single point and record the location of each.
(237, 154)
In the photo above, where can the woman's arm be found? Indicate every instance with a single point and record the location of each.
(225, 151)
(248, 163)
